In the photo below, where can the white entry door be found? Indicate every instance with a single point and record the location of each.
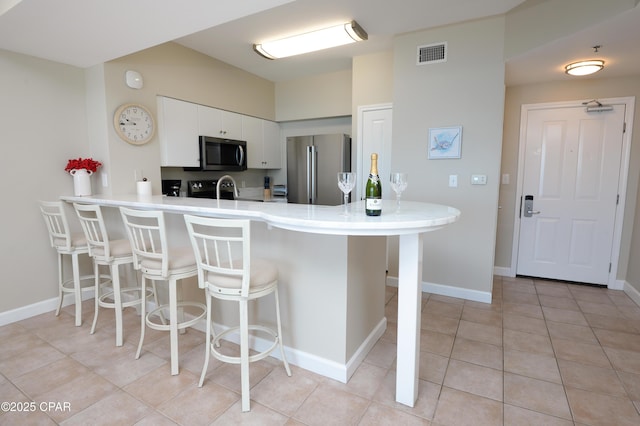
(572, 164)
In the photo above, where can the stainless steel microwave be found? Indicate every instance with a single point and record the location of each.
(222, 154)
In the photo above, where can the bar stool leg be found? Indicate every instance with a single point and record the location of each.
(180, 308)
(207, 343)
(143, 314)
(244, 355)
(279, 324)
(60, 282)
(96, 273)
(77, 289)
(173, 326)
(117, 301)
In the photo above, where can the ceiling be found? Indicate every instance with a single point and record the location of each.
(84, 33)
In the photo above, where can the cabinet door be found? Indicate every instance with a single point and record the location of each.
(209, 121)
(272, 148)
(231, 125)
(252, 133)
(219, 123)
(178, 133)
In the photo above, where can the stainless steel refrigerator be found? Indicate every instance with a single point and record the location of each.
(313, 163)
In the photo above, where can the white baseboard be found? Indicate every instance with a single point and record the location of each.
(617, 285)
(39, 308)
(502, 271)
(363, 350)
(447, 290)
(316, 364)
(632, 292)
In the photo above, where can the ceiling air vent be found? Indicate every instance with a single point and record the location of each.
(432, 53)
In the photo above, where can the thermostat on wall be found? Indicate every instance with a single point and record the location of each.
(478, 179)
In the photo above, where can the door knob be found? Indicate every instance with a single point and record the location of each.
(528, 206)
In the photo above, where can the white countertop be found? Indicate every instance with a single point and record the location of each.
(412, 217)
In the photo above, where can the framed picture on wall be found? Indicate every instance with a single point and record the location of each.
(444, 142)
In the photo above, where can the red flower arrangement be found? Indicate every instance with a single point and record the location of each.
(82, 163)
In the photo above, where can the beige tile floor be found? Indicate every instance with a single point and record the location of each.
(543, 353)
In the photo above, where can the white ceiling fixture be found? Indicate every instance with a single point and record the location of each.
(584, 67)
(312, 41)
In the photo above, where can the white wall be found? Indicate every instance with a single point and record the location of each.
(372, 82)
(319, 96)
(43, 124)
(467, 90)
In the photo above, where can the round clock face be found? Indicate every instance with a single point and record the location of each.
(134, 124)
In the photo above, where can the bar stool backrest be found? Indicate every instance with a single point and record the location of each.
(148, 238)
(223, 253)
(57, 224)
(95, 231)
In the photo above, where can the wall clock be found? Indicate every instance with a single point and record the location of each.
(134, 124)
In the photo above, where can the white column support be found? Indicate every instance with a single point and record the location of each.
(409, 312)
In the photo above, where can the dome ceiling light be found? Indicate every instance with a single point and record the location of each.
(585, 67)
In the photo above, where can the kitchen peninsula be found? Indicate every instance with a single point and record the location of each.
(332, 274)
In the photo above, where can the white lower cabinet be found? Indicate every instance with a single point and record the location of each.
(263, 143)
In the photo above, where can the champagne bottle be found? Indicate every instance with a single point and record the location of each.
(373, 192)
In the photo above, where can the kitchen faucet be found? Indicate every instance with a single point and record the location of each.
(235, 187)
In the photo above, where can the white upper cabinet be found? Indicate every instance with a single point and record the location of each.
(252, 133)
(219, 123)
(263, 143)
(178, 133)
(180, 124)
(272, 148)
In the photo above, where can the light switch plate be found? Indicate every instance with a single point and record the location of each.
(478, 179)
(453, 181)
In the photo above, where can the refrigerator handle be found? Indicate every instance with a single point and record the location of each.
(311, 174)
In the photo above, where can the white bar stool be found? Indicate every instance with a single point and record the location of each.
(159, 262)
(67, 243)
(226, 271)
(110, 253)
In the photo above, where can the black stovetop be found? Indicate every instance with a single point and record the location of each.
(207, 189)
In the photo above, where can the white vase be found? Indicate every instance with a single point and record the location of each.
(81, 182)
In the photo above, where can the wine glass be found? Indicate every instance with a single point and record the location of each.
(346, 182)
(398, 184)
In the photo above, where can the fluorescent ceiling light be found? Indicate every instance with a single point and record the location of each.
(325, 38)
(584, 67)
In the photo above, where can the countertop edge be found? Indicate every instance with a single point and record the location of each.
(412, 217)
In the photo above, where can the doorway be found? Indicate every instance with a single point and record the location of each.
(374, 135)
(572, 175)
